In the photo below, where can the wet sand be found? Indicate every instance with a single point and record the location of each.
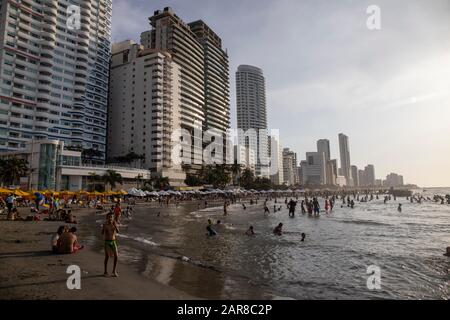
(28, 270)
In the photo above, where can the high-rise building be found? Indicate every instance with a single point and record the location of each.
(312, 168)
(345, 158)
(216, 70)
(54, 74)
(333, 170)
(252, 114)
(204, 84)
(354, 170)
(276, 161)
(370, 175)
(394, 180)
(290, 167)
(169, 33)
(323, 147)
(144, 108)
(362, 180)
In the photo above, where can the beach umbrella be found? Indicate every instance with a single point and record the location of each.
(5, 191)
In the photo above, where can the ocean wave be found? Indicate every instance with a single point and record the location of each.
(369, 223)
(138, 239)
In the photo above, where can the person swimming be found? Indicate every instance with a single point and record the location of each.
(278, 229)
(250, 231)
(211, 231)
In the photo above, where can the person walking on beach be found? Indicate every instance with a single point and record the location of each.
(117, 212)
(109, 232)
(10, 202)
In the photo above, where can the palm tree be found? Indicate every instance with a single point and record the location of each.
(160, 182)
(11, 170)
(112, 177)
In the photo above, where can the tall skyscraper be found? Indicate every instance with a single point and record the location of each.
(169, 33)
(276, 161)
(252, 114)
(312, 168)
(354, 170)
(145, 108)
(54, 74)
(204, 69)
(323, 147)
(370, 175)
(362, 180)
(290, 167)
(217, 87)
(345, 158)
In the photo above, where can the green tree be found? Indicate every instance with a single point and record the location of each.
(12, 169)
(247, 179)
(112, 177)
(160, 183)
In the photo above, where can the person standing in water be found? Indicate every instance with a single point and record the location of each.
(399, 209)
(225, 205)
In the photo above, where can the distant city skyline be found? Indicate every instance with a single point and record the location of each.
(386, 89)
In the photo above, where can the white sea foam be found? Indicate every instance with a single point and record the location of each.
(138, 239)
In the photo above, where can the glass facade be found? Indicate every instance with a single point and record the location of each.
(47, 167)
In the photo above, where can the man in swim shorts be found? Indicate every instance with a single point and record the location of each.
(109, 232)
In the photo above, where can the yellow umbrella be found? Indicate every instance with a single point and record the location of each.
(67, 193)
(122, 192)
(82, 192)
(96, 193)
(21, 193)
(5, 191)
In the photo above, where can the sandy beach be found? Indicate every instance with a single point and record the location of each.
(28, 269)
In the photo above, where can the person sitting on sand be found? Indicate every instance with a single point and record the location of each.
(68, 242)
(55, 238)
(278, 229)
(70, 218)
(250, 231)
(109, 232)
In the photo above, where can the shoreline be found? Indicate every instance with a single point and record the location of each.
(28, 269)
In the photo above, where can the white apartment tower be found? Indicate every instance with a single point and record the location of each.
(54, 73)
(144, 107)
(252, 114)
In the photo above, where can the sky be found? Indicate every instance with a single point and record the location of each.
(327, 72)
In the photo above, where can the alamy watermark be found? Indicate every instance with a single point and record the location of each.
(73, 17)
(74, 280)
(374, 20)
(374, 279)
